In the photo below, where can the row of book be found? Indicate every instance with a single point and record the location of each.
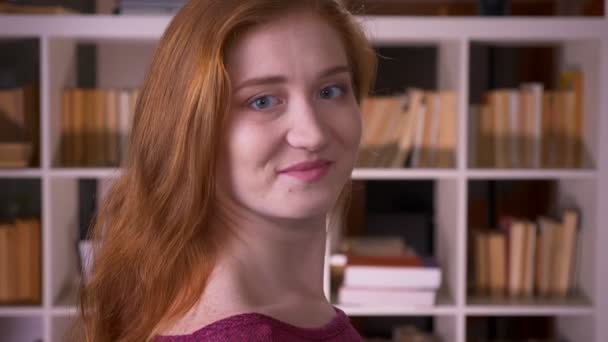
(18, 126)
(402, 279)
(530, 127)
(525, 258)
(95, 126)
(416, 129)
(20, 262)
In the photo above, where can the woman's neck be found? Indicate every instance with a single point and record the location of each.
(273, 260)
(269, 266)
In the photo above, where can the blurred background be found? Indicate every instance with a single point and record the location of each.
(480, 191)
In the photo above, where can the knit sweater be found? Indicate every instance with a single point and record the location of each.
(258, 327)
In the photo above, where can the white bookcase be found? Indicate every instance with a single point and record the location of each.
(125, 45)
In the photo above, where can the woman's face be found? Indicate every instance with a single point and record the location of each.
(294, 125)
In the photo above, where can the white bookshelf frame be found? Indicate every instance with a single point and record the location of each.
(57, 36)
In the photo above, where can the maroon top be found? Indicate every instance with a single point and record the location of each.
(257, 327)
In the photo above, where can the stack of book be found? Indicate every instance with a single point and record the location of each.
(417, 129)
(404, 279)
(20, 262)
(96, 125)
(150, 7)
(530, 127)
(18, 126)
(525, 258)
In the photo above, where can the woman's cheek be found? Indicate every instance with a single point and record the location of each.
(252, 142)
(351, 128)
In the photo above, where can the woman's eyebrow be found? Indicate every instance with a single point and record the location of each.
(273, 79)
(334, 70)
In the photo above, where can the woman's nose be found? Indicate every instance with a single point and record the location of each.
(307, 128)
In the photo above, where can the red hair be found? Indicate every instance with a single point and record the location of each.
(154, 250)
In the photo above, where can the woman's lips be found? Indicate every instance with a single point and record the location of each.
(308, 171)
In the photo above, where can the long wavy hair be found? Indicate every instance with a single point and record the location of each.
(154, 249)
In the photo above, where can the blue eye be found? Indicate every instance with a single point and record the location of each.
(331, 92)
(263, 102)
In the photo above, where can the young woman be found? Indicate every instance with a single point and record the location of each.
(244, 138)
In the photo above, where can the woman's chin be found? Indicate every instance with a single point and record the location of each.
(309, 208)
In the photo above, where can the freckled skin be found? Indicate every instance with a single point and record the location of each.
(300, 126)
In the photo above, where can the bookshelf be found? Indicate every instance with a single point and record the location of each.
(125, 45)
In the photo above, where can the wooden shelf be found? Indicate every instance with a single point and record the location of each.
(576, 305)
(20, 311)
(489, 174)
(20, 173)
(403, 174)
(444, 306)
(85, 172)
(384, 29)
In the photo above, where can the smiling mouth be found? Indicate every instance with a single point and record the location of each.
(309, 173)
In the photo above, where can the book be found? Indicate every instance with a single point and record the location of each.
(404, 140)
(419, 132)
(20, 262)
(15, 155)
(412, 113)
(474, 136)
(572, 79)
(388, 137)
(98, 135)
(18, 127)
(548, 140)
(78, 115)
(497, 245)
(90, 124)
(566, 253)
(545, 251)
(12, 270)
(530, 127)
(388, 143)
(125, 113)
(348, 295)
(111, 138)
(427, 276)
(531, 103)
(381, 110)
(514, 129)
(96, 126)
(431, 130)
(498, 101)
(517, 242)
(447, 137)
(529, 258)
